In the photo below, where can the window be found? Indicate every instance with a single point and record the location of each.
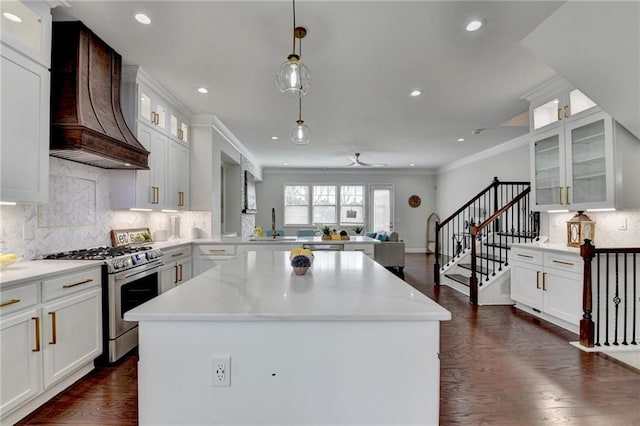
(296, 205)
(324, 204)
(352, 205)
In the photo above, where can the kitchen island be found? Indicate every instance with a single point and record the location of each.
(250, 342)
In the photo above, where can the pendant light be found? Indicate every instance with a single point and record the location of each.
(293, 78)
(300, 133)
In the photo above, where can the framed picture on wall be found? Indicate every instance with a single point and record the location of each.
(250, 205)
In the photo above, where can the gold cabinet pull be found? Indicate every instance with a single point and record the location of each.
(544, 281)
(177, 254)
(217, 250)
(180, 269)
(560, 195)
(528, 256)
(88, 280)
(37, 348)
(566, 111)
(180, 199)
(175, 270)
(538, 279)
(9, 302)
(562, 262)
(155, 195)
(54, 338)
(567, 195)
(559, 114)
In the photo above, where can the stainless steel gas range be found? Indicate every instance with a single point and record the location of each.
(130, 278)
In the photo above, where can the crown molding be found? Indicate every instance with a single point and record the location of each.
(359, 171)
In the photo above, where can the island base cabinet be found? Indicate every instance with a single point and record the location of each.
(20, 359)
(290, 372)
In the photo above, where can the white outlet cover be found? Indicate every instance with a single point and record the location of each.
(221, 370)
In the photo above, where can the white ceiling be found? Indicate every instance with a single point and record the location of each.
(364, 57)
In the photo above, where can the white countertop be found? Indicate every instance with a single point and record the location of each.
(543, 245)
(35, 270)
(261, 286)
(284, 240)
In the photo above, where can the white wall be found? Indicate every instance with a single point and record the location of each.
(410, 223)
(460, 181)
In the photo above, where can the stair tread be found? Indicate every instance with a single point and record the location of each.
(494, 258)
(458, 278)
(518, 234)
(480, 269)
(499, 245)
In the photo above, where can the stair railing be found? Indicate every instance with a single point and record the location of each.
(453, 237)
(513, 222)
(611, 314)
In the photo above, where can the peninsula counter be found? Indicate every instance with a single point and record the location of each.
(348, 343)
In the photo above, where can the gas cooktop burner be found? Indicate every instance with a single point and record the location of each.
(97, 253)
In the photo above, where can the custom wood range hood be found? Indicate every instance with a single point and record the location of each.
(87, 124)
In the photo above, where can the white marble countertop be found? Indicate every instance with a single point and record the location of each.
(35, 270)
(284, 240)
(261, 286)
(544, 245)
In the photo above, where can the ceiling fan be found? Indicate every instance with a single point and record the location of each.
(357, 163)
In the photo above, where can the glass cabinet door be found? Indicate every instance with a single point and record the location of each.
(549, 178)
(588, 165)
(546, 114)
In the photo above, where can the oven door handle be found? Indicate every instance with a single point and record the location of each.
(149, 269)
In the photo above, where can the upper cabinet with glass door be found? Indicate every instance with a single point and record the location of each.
(152, 108)
(555, 103)
(26, 27)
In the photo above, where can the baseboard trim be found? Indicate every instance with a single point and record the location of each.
(417, 250)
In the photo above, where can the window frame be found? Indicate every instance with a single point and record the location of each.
(338, 204)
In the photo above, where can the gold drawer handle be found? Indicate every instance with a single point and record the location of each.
(177, 254)
(544, 281)
(560, 195)
(88, 280)
(567, 195)
(37, 348)
(217, 250)
(563, 263)
(528, 256)
(10, 302)
(538, 279)
(566, 111)
(54, 338)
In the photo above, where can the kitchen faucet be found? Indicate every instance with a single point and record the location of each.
(273, 223)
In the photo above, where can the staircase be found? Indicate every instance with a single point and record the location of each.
(472, 245)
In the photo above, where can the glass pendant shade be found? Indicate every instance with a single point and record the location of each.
(300, 133)
(294, 78)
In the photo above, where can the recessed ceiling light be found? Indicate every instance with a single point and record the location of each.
(12, 17)
(142, 18)
(412, 165)
(416, 93)
(474, 25)
(203, 90)
(286, 164)
(275, 138)
(461, 140)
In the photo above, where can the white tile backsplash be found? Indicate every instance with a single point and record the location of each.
(79, 215)
(608, 224)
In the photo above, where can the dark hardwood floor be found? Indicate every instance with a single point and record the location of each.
(499, 366)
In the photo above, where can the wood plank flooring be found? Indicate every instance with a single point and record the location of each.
(499, 366)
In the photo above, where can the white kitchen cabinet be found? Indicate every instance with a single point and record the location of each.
(556, 103)
(161, 127)
(548, 284)
(177, 267)
(207, 256)
(178, 168)
(72, 333)
(21, 348)
(25, 79)
(51, 331)
(580, 166)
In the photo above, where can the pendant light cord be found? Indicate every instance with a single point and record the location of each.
(300, 108)
(294, 27)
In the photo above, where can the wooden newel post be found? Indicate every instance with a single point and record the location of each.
(587, 251)
(436, 266)
(473, 281)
